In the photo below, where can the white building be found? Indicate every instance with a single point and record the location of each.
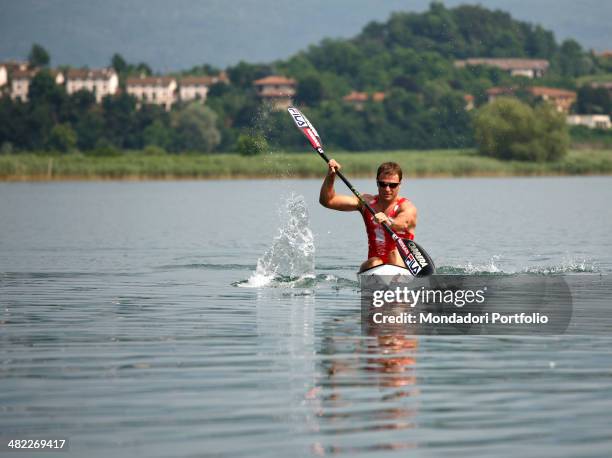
(21, 79)
(7, 68)
(20, 84)
(157, 90)
(592, 121)
(101, 82)
(530, 68)
(194, 88)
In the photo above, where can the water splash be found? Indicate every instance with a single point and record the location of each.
(290, 259)
(567, 266)
(473, 269)
(261, 124)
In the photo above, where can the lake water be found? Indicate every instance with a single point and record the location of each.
(222, 318)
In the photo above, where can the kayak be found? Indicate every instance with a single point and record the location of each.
(385, 269)
(384, 274)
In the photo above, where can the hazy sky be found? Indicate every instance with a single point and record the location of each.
(178, 34)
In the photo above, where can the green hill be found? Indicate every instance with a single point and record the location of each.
(407, 60)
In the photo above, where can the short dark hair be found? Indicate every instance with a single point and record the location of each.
(389, 168)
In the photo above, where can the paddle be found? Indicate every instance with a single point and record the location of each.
(418, 262)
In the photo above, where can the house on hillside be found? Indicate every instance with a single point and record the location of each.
(562, 99)
(156, 90)
(592, 121)
(20, 84)
(21, 79)
(196, 87)
(101, 82)
(530, 68)
(7, 68)
(12, 65)
(277, 90)
(359, 99)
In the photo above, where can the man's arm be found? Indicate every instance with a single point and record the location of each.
(404, 221)
(328, 197)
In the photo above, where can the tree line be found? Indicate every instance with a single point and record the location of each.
(409, 57)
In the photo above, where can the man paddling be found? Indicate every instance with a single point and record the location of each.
(397, 212)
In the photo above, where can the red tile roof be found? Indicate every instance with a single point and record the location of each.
(198, 80)
(90, 74)
(551, 92)
(14, 65)
(150, 81)
(274, 80)
(204, 80)
(23, 74)
(534, 90)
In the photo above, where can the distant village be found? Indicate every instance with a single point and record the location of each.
(158, 90)
(278, 90)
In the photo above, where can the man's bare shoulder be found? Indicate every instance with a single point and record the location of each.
(407, 205)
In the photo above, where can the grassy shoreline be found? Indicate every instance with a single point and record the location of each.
(435, 163)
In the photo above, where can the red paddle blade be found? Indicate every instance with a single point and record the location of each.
(304, 125)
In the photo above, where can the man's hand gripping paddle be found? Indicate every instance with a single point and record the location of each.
(417, 261)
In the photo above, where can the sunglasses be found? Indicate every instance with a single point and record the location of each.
(384, 184)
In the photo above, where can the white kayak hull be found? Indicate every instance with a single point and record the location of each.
(385, 274)
(386, 269)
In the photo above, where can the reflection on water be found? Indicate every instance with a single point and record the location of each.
(367, 386)
(344, 388)
(121, 326)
